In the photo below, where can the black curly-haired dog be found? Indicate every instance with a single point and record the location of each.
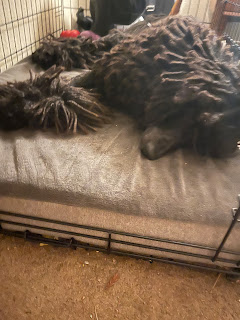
(82, 52)
(177, 78)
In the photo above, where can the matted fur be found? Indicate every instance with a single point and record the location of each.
(177, 78)
(81, 52)
(74, 52)
(46, 101)
(168, 77)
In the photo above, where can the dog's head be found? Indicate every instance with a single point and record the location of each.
(45, 56)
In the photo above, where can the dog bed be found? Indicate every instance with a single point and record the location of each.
(100, 184)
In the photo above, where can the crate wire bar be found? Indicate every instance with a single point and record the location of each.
(226, 18)
(177, 247)
(25, 23)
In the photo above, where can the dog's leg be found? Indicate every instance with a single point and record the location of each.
(84, 80)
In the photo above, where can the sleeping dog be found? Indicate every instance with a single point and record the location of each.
(177, 78)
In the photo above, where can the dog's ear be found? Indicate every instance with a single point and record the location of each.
(216, 135)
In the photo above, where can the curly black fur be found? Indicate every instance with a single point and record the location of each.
(74, 52)
(180, 80)
(81, 52)
(46, 101)
(177, 79)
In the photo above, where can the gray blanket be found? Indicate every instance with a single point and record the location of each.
(106, 170)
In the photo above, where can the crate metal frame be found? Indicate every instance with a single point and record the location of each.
(71, 242)
(25, 25)
(225, 10)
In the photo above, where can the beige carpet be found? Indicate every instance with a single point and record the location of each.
(43, 282)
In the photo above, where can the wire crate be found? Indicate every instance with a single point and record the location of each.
(226, 18)
(25, 23)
